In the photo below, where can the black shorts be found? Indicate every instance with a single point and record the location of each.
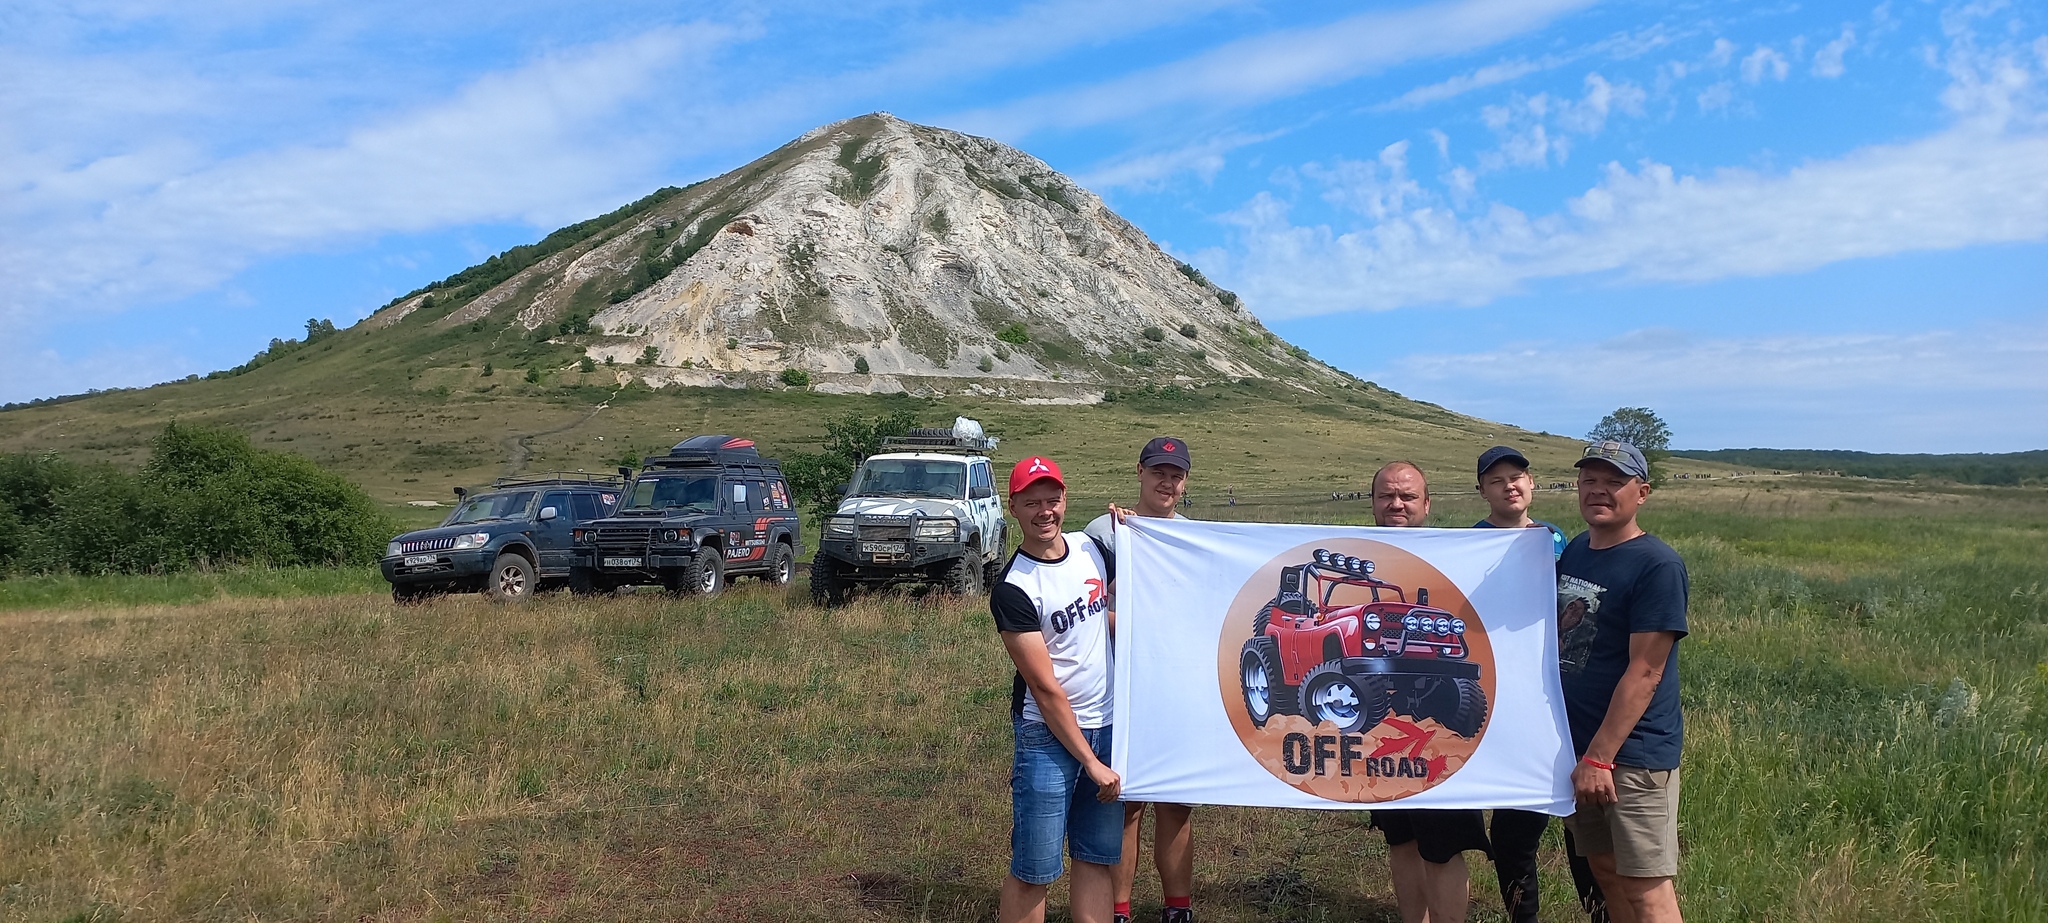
(1439, 835)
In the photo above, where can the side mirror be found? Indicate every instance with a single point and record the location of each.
(547, 513)
(461, 492)
(1422, 596)
(625, 473)
(842, 489)
(981, 492)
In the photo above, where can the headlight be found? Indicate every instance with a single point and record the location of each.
(668, 535)
(1372, 621)
(1458, 625)
(472, 540)
(940, 531)
(392, 550)
(1411, 623)
(1443, 625)
(839, 528)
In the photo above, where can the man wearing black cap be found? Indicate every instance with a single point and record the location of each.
(1621, 596)
(1163, 467)
(1505, 484)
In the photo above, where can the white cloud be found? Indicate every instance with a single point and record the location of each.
(161, 222)
(1490, 75)
(1150, 171)
(1524, 124)
(1956, 189)
(1717, 97)
(1765, 63)
(1827, 62)
(1871, 391)
(1724, 52)
(1276, 64)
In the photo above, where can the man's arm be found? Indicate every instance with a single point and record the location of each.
(1027, 651)
(1648, 652)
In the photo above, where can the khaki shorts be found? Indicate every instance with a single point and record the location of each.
(1640, 828)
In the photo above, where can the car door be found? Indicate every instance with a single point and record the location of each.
(987, 510)
(743, 542)
(552, 536)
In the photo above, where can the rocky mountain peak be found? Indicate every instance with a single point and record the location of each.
(876, 254)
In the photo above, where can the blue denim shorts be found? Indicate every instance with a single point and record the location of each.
(1053, 802)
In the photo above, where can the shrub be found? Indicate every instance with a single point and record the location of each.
(611, 360)
(1155, 334)
(649, 356)
(587, 365)
(988, 364)
(488, 371)
(1015, 333)
(1002, 353)
(796, 378)
(860, 365)
(732, 342)
(533, 376)
(1188, 330)
(1200, 355)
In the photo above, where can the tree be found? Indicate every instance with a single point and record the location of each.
(586, 365)
(1639, 427)
(796, 378)
(815, 476)
(533, 376)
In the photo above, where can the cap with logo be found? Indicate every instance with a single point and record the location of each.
(1165, 450)
(1501, 453)
(1624, 457)
(1034, 469)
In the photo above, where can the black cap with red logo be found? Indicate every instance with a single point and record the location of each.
(1165, 450)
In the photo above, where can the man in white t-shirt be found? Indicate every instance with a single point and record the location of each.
(1163, 467)
(1052, 607)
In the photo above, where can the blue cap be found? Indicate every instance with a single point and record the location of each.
(1498, 454)
(1166, 450)
(1624, 457)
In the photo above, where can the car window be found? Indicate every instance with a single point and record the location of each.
(757, 496)
(978, 476)
(586, 507)
(911, 477)
(694, 492)
(560, 501)
(778, 494)
(485, 507)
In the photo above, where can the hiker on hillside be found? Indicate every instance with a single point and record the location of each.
(1425, 847)
(1621, 596)
(1505, 484)
(1052, 606)
(1163, 466)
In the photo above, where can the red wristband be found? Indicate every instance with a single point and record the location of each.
(1596, 764)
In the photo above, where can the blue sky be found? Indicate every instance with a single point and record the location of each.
(1797, 225)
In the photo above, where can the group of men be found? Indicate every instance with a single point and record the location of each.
(1622, 605)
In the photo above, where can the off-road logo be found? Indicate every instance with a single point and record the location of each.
(1355, 671)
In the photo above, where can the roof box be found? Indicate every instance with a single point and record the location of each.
(698, 445)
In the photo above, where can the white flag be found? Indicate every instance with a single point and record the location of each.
(1338, 667)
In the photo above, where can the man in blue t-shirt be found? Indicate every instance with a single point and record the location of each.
(1505, 484)
(1621, 596)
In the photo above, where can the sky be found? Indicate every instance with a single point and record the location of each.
(1795, 225)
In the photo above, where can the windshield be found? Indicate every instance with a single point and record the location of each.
(1330, 588)
(693, 492)
(910, 477)
(485, 507)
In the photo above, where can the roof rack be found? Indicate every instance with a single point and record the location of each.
(560, 478)
(965, 436)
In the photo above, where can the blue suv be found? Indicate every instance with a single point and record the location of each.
(510, 541)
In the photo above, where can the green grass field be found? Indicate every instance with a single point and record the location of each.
(1866, 688)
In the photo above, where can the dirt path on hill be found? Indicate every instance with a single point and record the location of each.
(518, 452)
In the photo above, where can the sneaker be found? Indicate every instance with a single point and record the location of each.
(1176, 915)
(1120, 918)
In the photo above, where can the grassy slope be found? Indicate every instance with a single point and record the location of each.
(1866, 685)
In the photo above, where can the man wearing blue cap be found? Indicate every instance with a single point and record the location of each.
(1621, 596)
(1505, 484)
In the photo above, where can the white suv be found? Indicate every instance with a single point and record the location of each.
(929, 514)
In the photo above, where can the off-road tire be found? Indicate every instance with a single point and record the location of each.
(992, 573)
(1265, 688)
(1263, 618)
(583, 581)
(704, 575)
(511, 579)
(1470, 713)
(1349, 704)
(961, 575)
(827, 589)
(781, 565)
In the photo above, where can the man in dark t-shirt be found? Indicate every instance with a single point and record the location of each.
(1621, 596)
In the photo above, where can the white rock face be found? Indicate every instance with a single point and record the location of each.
(906, 246)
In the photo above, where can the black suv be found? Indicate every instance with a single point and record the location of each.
(508, 541)
(711, 508)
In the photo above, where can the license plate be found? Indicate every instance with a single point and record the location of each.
(415, 560)
(623, 562)
(881, 547)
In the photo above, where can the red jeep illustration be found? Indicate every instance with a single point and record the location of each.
(1350, 666)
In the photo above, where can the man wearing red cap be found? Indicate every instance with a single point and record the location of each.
(1052, 607)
